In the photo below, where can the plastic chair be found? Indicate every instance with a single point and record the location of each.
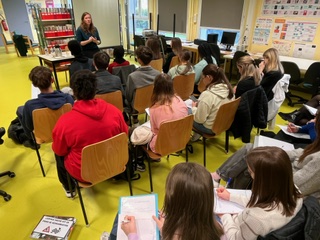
(157, 64)
(183, 85)
(222, 123)
(142, 100)
(115, 98)
(44, 120)
(173, 137)
(5, 195)
(309, 84)
(101, 161)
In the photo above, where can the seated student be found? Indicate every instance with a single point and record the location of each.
(184, 67)
(187, 185)
(305, 165)
(41, 77)
(176, 47)
(301, 116)
(142, 77)
(80, 61)
(90, 120)
(154, 44)
(249, 75)
(271, 70)
(118, 53)
(275, 200)
(218, 91)
(106, 82)
(206, 55)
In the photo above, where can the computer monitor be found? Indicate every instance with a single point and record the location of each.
(212, 38)
(228, 39)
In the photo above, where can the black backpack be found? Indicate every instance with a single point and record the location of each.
(16, 132)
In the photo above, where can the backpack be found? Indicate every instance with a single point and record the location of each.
(16, 132)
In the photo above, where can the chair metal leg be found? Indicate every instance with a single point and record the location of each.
(204, 151)
(150, 175)
(69, 184)
(38, 154)
(82, 205)
(187, 152)
(129, 180)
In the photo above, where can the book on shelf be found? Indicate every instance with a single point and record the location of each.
(142, 207)
(54, 228)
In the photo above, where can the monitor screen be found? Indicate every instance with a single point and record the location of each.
(228, 39)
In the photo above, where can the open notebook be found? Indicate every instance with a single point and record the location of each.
(222, 206)
(262, 141)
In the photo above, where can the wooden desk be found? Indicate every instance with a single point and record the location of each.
(54, 61)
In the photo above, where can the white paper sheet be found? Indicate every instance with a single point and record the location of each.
(296, 135)
(222, 206)
(262, 141)
(311, 110)
(143, 207)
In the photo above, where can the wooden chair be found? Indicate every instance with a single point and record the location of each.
(174, 61)
(142, 100)
(183, 85)
(27, 41)
(173, 137)
(6, 43)
(157, 64)
(101, 161)
(222, 123)
(115, 98)
(44, 120)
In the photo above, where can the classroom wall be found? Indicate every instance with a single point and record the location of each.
(286, 47)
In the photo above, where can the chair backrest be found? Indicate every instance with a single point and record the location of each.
(142, 98)
(105, 159)
(174, 61)
(44, 120)
(173, 135)
(157, 64)
(138, 40)
(225, 116)
(183, 85)
(115, 98)
(312, 77)
(293, 70)
(123, 72)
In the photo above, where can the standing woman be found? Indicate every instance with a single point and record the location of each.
(271, 71)
(176, 47)
(88, 36)
(250, 76)
(275, 200)
(218, 91)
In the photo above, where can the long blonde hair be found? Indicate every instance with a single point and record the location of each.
(274, 63)
(248, 68)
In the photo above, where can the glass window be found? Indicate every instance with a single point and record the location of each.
(140, 9)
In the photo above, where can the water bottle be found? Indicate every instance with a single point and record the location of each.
(53, 54)
(46, 51)
(105, 236)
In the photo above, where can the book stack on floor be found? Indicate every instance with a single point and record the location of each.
(54, 228)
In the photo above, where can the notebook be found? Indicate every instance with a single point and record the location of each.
(262, 141)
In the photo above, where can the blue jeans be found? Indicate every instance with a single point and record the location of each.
(202, 128)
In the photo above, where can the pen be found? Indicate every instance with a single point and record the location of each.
(125, 221)
(228, 182)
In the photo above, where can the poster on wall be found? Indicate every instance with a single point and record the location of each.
(262, 31)
(283, 47)
(278, 28)
(306, 51)
(292, 8)
(299, 31)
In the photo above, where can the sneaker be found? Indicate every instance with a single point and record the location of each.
(289, 116)
(195, 137)
(70, 194)
(141, 167)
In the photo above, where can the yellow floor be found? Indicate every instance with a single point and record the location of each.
(34, 195)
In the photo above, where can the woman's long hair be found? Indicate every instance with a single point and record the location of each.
(154, 44)
(218, 76)
(185, 57)
(248, 68)
(315, 146)
(176, 46)
(163, 91)
(89, 29)
(273, 184)
(274, 63)
(189, 203)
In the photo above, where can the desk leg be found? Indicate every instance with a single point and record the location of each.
(40, 60)
(56, 82)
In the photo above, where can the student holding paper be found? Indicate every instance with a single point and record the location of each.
(270, 200)
(305, 166)
(183, 217)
